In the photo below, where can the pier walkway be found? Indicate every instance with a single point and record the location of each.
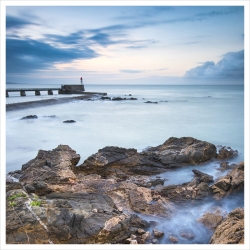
(36, 90)
(65, 89)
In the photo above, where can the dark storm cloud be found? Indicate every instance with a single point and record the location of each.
(14, 22)
(71, 39)
(230, 66)
(29, 55)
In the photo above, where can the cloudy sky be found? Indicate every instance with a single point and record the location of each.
(125, 44)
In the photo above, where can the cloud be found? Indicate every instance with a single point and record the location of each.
(188, 43)
(71, 39)
(230, 66)
(14, 22)
(29, 55)
(145, 12)
(130, 71)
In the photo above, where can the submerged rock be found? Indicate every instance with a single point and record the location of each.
(105, 98)
(69, 121)
(150, 102)
(29, 117)
(118, 98)
(231, 229)
(212, 219)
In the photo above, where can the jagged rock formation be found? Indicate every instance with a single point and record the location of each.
(231, 230)
(175, 152)
(232, 182)
(56, 201)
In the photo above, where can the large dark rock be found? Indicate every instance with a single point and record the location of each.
(231, 229)
(50, 167)
(66, 218)
(226, 153)
(175, 152)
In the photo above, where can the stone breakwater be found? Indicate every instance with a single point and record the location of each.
(52, 200)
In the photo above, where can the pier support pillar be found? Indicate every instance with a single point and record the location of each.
(22, 93)
(7, 94)
(37, 92)
(50, 92)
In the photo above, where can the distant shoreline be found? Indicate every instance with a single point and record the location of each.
(47, 102)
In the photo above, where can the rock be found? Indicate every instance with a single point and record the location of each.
(38, 187)
(155, 241)
(225, 165)
(156, 181)
(105, 98)
(133, 242)
(157, 233)
(69, 121)
(212, 219)
(231, 229)
(232, 182)
(50, 116)
(29, 117)
(175, 152)
(184, 194)
(173, 239)
(226, 153)
(118, 98)
(187, 235)
(133, 99)
(140, 231)
(202, 176)
(145, 237)
(66, 218)
(150, 102)
(49, 168)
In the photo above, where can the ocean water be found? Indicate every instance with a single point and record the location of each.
(210, 113)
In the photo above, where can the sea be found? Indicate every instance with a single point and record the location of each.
(212, 113)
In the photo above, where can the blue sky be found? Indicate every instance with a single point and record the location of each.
(125, 44)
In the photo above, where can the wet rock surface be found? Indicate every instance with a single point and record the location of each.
(213, 218)
(102, 201)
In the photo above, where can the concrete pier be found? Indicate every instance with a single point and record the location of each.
(65, 89)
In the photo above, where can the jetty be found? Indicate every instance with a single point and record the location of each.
(65, 89)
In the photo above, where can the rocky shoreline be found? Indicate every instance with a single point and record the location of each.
(106, 199)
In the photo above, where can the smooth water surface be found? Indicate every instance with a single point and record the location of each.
(211, 113)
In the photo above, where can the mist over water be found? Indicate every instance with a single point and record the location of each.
(210, 113)
(186, 111)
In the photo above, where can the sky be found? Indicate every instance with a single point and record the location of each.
(125, 44)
